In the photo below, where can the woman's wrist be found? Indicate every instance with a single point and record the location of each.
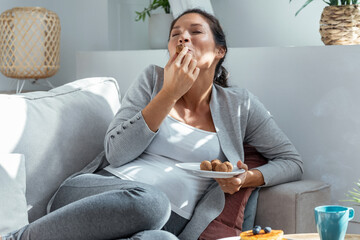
(164, 94)
(157, 109)
(254, 178)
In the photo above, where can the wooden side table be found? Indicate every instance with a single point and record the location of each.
(315, 236)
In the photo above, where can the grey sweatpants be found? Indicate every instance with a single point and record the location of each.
(93, 206)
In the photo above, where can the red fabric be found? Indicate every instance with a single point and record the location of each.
(229, 222)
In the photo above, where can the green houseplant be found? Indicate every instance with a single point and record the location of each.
(354, 195)
(330, 3)
(339, 22)
(155, 4)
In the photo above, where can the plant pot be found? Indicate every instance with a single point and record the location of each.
(340, 25)
(159, 27)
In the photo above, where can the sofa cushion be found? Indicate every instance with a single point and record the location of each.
(59, 132)
(13, 210)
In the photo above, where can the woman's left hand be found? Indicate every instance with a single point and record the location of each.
(233, 185)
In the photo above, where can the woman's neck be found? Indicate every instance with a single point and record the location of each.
(199, 94)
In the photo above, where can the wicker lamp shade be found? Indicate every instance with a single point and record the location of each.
(340, 25)
(29, 43)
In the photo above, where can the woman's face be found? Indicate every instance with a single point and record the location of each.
(193, 31)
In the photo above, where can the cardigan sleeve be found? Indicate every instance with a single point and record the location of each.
(285, 163)
(128, 134)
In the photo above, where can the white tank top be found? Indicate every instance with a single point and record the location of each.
(175, 142)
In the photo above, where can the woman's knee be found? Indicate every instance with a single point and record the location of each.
(154, 234)
(153, 205)
(148, 205)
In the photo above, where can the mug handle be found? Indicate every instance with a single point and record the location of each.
(351, 213)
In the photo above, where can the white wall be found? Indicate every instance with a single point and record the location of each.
(255, 23)
(84, 26)
(313, 94)
(261, 23)
(125, 33)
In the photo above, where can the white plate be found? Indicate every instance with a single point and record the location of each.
(194, 168)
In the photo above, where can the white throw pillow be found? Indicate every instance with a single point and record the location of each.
(13, 209)
(59, 131)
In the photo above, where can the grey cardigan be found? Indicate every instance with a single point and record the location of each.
(238, 117)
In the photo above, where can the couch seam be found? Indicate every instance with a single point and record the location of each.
(70, 92)
(314, 190)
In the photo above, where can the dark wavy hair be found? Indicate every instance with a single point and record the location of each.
(221, 74)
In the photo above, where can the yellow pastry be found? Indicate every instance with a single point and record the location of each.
(273, 235)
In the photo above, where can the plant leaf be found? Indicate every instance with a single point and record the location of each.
(307, 3)
(152, 6)
(353, 194)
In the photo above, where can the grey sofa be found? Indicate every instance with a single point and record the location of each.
(62, 130)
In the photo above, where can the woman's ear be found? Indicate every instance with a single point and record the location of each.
(220, 52)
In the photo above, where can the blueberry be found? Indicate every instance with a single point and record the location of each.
(267, 229)
(256, 230)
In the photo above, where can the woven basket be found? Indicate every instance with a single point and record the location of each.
(29, 43)
(340, 25)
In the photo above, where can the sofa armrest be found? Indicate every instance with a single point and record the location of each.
(290, 206)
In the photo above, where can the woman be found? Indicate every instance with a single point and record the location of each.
(182, 113)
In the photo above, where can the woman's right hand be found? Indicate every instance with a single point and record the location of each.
(180, 73)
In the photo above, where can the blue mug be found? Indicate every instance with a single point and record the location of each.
(332, 221)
